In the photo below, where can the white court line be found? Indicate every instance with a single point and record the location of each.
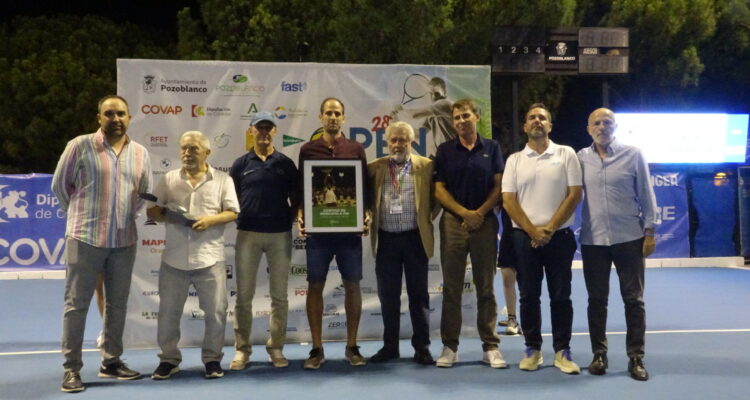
(22, 353)
(666, 331)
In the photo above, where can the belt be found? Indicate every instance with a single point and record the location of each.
(404, 233)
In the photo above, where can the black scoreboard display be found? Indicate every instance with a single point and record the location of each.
(530, 50)
(519, 50)
(603, 51)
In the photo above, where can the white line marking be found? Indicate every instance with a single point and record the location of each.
(23, 353)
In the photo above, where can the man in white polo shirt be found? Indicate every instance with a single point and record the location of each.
(541, 189)
(196, 201)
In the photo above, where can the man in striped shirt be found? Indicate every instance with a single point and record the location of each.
(97, 182)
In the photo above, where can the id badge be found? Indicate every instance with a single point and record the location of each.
(396, 206)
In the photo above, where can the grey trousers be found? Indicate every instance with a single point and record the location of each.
(84, 265)
(211, 285)
(248, 252)
(481, 247)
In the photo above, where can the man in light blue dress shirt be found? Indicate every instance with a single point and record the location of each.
(619, 216)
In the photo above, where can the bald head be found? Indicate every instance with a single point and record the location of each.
(600, 112)
(602, 126)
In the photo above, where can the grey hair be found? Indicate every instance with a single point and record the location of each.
(202, 139)
(400, 125)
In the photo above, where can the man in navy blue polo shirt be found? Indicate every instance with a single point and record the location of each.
(467, 184)
(267, 186)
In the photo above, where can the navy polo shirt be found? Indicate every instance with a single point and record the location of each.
(267, 191)
(468, 174)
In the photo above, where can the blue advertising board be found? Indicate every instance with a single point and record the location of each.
(32, 225)
(672, 234)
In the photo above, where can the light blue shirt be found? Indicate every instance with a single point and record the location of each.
(619, 202)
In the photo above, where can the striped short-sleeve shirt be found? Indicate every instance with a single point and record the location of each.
(99, 189)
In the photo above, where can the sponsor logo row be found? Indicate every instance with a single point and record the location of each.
(281, 112)
(238, 85)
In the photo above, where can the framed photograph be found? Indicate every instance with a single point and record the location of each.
(334, 196)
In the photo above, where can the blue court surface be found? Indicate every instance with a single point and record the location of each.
(697, 347)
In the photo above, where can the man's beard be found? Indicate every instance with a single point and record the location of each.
(537, 132)
(400, 157)
(114, 130)
(332, 129)
(604, 139)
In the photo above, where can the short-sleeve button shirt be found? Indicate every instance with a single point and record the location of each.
(186, 248)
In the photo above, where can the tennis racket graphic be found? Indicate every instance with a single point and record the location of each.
(416, 86)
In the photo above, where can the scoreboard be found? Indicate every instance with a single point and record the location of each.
(603, 50)
(560, 51)
(519, 50)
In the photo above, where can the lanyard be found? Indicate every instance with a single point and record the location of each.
(398, 178)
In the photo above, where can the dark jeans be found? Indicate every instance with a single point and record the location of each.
(322, 247)
(403, 254)
(553, 260)
(629, 263)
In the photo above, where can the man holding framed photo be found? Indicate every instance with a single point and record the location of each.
(322, 247)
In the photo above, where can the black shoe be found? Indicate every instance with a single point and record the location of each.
(119, 371)
(384, 354)
(598, 365)
(637, 369)
(72, 382)
(165, 370)
(213, 370)
(354, 357)
(423, 357)
(316, 359)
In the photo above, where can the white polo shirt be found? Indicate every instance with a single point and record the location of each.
(188, 249)
(541, 181)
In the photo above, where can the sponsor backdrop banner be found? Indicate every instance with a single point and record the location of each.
(32, 225)
(672, 239)
(167, 98)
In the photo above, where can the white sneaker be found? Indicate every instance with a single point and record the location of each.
(277, 358)
(447, 358)
(240, 361)
(511, 326)
(494, 358)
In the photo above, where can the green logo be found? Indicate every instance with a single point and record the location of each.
(290, 140)
(239, 78)
(253, 109)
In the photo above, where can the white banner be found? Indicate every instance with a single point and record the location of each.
(167, 98)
